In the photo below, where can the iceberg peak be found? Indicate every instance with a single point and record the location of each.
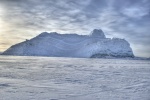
(97, 33)
(43, 34)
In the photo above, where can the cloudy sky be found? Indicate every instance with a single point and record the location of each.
(24, 19)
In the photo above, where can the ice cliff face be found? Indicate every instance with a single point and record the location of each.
(72, 45)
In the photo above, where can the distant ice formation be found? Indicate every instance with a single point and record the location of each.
(72, 45)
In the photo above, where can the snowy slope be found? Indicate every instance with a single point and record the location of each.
(72, 45)
(50, 78)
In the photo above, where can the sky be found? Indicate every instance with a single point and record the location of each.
(128, 19)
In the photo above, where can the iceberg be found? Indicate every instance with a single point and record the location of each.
(54, 44)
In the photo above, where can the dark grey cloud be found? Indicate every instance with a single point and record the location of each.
(129, 19)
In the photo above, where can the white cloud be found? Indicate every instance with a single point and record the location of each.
(135, 12)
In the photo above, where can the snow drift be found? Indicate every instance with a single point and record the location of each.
(72, 45)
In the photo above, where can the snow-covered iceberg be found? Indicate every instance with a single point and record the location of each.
(72, 45)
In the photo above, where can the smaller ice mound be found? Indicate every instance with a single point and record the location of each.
(72, 45)
(97, 33)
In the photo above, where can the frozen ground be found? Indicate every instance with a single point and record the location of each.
(41, 78)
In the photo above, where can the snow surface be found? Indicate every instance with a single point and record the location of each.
(49, 78)
(72, 45)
